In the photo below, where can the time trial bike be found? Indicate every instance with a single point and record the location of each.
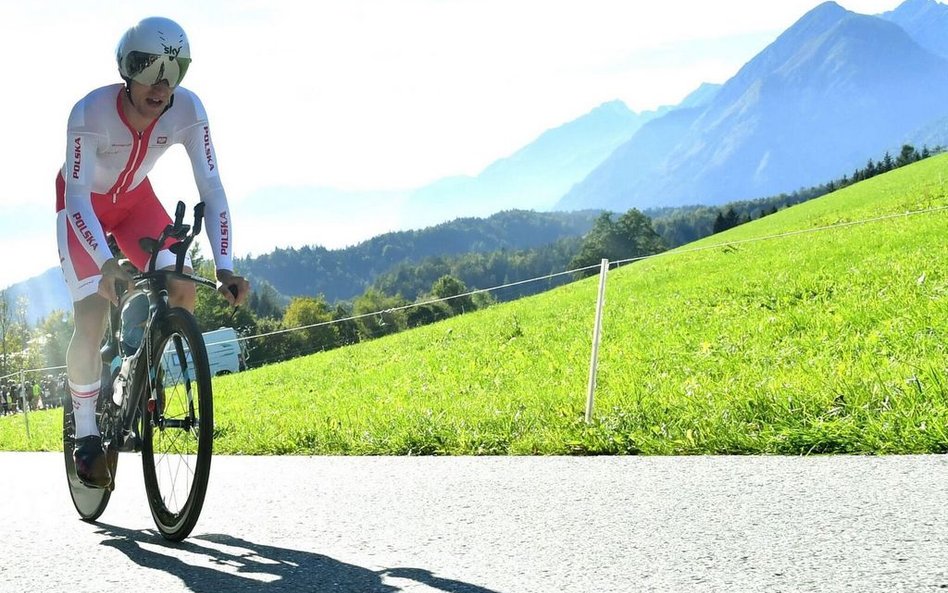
(156, 393)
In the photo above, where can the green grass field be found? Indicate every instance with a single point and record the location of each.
(831, 341)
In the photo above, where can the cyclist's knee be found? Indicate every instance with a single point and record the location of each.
(182, 293)
(90, 315)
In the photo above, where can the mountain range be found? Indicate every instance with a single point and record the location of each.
(926, 21)
(833, 90)
(532, 178)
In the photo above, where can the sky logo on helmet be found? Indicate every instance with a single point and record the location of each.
(171, 51)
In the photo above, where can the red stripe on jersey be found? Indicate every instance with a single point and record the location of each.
(137, 155)
(141, 147)
(132, 155)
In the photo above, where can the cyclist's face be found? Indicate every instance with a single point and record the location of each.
(150, 101)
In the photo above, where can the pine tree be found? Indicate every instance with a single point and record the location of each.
(887, 163)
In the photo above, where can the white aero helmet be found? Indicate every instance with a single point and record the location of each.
(154, 50)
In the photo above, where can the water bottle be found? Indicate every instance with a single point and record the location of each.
(131, 335)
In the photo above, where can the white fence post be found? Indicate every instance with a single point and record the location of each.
(25, 405)
(597, 332)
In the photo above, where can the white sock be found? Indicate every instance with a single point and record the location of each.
(84, 398)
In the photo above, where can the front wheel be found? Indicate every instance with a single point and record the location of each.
(178, 425)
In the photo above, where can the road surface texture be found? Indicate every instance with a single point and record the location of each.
(494, 525)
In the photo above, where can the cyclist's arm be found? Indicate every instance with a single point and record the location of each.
(79, 171)
(217, 222)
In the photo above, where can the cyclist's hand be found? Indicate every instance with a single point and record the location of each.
(112, 271)
(234, 288)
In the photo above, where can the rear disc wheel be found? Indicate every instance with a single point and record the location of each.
(90, 503)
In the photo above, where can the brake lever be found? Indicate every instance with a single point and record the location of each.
(233, 314)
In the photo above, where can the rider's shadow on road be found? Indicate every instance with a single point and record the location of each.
(221, 563)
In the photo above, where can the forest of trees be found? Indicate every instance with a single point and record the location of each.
(346, 273)
(404, 280)
(23, 346)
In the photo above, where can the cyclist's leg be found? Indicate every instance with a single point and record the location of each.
(83, 358)
(83, 361)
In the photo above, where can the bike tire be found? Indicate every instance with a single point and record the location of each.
(90, 503)
(178, 431)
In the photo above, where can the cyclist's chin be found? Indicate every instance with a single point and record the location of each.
(152, 109)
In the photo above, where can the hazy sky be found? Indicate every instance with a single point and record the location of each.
(358, 94)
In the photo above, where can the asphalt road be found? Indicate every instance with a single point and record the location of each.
(494, 525)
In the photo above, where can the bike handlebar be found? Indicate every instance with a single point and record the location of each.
(145, 276)
(178, 230)
(185, 235)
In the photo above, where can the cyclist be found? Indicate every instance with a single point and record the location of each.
(114, 136)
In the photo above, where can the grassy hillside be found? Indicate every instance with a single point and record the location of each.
(830, 341)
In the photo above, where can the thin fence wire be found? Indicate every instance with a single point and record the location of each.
(412, 305)
(616, 263)
(42, 370)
